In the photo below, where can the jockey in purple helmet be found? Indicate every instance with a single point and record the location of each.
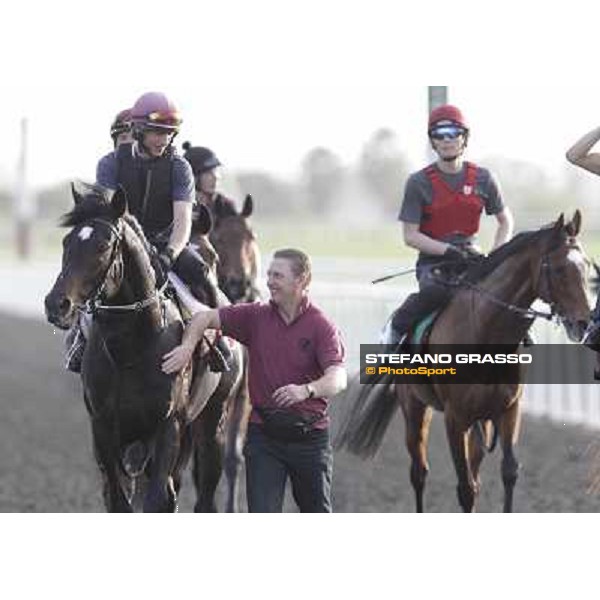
(159, 185)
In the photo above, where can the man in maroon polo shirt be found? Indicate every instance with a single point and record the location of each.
(296, 362)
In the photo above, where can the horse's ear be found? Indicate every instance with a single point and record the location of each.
(119, 202)
(248, 206)
(574, 227)
(77, 197)
(560, 222)
(203, 222)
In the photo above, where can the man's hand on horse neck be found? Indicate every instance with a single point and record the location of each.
(180, 356)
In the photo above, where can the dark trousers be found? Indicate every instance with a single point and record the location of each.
(269, 463)
(433, 294)
(192, 269)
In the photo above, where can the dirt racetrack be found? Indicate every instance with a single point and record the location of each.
(46, 462)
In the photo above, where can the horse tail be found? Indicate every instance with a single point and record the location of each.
(369, 410)
(483, 437)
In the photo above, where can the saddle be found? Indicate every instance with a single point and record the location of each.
(189, 306)
(419, 335)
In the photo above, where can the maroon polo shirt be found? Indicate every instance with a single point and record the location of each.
(282, 354)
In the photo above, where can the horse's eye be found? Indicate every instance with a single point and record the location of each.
(103, 247)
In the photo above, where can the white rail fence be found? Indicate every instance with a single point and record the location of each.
(361, 311)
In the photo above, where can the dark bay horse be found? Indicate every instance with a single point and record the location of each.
(228, 234)
(106, 265)
(549, 264)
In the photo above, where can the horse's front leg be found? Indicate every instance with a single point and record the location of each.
(509, 432)
(234, 442)
(106, 451)
(417, 417)
(208, 457)
(160, 494)
(479, 438)
(467, 488)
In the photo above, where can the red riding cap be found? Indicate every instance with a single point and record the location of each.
(447, 112)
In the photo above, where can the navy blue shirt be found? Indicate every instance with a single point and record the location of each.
(183, 177)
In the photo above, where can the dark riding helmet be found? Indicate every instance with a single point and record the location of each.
(201, 159)
(121, 124)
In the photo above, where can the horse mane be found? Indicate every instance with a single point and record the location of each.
(93, 203)
(498, 256)
(137, 228)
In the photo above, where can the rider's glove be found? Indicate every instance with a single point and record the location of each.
(167, 258)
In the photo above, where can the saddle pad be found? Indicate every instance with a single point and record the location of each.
(421, 330)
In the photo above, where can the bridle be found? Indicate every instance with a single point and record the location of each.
(545, 291)
(94, 304)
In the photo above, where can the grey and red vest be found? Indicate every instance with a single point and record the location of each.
(452, 212)
(149, 187)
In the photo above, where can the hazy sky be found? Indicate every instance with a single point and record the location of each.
(272, 127)
(264, 82)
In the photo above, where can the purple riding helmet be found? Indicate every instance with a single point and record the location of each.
(154, 110)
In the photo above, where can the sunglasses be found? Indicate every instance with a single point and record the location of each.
(170, 119)
(447, 133)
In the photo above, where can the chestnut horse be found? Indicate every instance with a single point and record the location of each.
(493, 306)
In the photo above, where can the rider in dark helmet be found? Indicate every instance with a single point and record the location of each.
(440, 216)
(160, 190)
(205, 166)
(121, 128)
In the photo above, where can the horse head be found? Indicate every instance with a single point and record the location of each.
(549, 264)
(91, 261)
(564, 271)
(239, 258)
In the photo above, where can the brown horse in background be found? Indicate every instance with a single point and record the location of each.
(549, 264)
(226, 241)
(234, 240)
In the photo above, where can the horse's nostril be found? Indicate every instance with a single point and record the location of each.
(64, 306)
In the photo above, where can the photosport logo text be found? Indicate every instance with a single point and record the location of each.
(487, 364)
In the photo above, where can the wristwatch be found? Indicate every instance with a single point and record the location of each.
(310, 390)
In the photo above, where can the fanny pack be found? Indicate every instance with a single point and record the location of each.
(285, 425)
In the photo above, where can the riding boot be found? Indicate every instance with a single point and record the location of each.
(528, 340)
(417, 307)
(75, 347)
(219, 355)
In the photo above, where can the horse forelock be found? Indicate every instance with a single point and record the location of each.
(94, 204)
